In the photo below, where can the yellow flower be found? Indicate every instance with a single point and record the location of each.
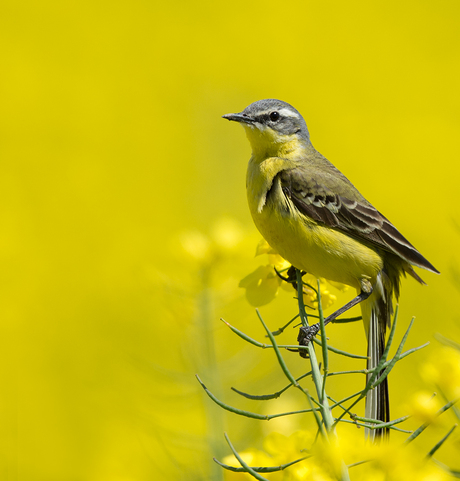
(262, 285)
(288, 448)
(226, 234)
(310, 297)
(326, 459)
(195, 244)
(443, 370)
(392, 462)
(225, 237)
(423, 406)
(285, 449)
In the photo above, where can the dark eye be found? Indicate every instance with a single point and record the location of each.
(274, 116)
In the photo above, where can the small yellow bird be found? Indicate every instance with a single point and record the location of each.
(317, 220)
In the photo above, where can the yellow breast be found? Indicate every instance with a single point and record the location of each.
(317, 249)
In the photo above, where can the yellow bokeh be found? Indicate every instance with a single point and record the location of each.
(124, 225)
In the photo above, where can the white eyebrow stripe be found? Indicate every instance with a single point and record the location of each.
(283, 112)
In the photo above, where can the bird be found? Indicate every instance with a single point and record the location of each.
(317, 220)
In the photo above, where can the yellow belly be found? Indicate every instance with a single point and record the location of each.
(319, 250)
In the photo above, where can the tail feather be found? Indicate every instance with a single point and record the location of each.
(377, 400)
(377, 315)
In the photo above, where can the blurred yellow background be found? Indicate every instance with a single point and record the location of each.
(114, 157)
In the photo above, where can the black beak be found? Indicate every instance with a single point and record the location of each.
(239, 118)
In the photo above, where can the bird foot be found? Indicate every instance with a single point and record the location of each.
(306, 334)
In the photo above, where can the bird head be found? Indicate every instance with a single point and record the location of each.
(274, 128)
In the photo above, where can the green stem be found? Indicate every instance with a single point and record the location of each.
(316, 374)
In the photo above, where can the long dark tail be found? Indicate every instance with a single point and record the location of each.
(376, 315)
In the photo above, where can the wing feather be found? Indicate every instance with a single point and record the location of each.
(332, 200)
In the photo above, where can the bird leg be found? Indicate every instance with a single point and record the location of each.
(307, 333)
